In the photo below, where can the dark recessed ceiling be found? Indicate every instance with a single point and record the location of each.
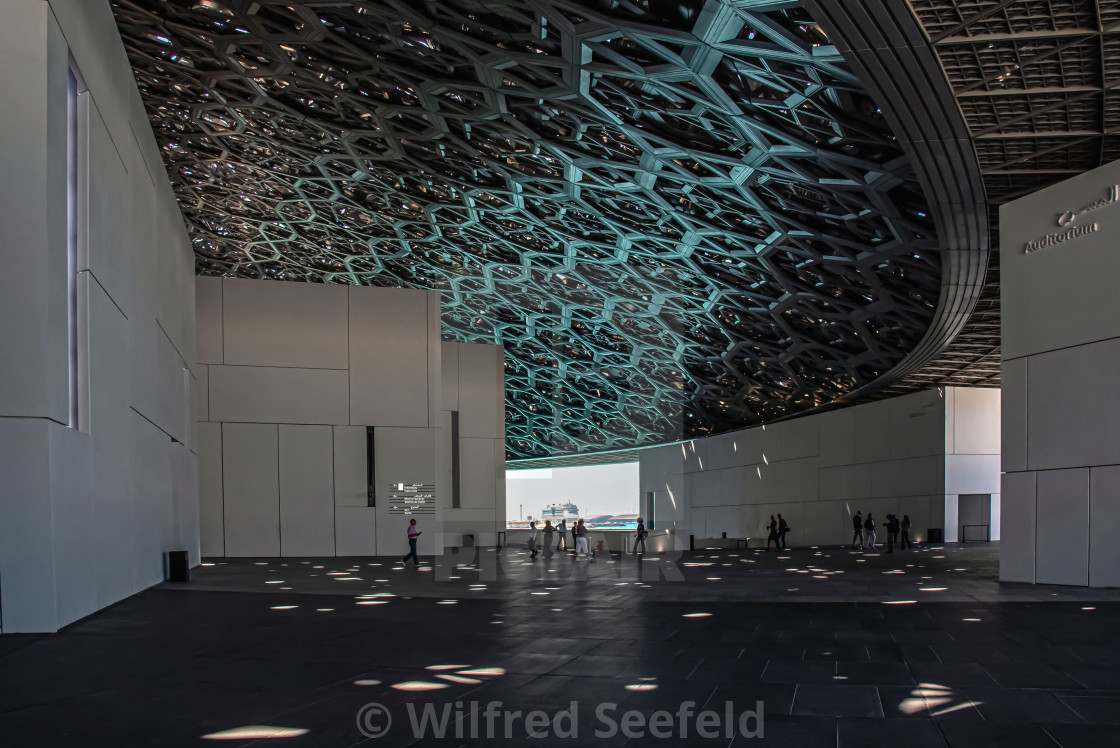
(678, 218)
(1036, 81)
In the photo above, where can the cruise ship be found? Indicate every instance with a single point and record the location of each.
(557, 512)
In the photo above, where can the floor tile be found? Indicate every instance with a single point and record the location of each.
(837, 701)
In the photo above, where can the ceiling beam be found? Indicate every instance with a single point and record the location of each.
(971, 20)
(1043, 110)
(1030, 172)
(1046, 134)
(1037, 154)
(1040, 91)
(1016, 36)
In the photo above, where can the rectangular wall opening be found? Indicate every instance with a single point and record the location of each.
(605, 497)
(76, 216)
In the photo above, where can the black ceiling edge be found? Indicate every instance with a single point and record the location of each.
(584, 459)
(885, 45)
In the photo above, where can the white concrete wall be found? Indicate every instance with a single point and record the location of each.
(473, 383)
(1061, 412)
(86, 514)
(972, 457)
(661, 472)
(293, 373)
(883, 457)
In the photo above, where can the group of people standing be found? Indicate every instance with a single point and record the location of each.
(864, 535)
(579, 537)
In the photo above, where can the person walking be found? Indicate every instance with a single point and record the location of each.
(905, 526)
(783, 528)
(548, 530)
(772, 535)
(869, 533)
(640, 537)
(890, 533)
(580, 531)
(562, 530)
(413, 534)
(532, 539)
(857, 530)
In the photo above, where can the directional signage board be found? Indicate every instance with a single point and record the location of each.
(412, 498)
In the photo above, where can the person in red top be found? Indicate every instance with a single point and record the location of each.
(413, 533)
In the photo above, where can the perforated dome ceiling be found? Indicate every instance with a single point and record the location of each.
(678, 218)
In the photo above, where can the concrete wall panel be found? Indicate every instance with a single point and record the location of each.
(281, 324)
(479, 404)
(972, 473)
(873, 427)
(917, 425)
(1104, 526)
(210, 343)
(211, 504)
(389, 362)
(796, 439)
(919, 476)
(822, 522)
(1062, 530)
(110, 223)
(786, 481)
(351, 487)
(1018, 519)
(306, 459)
(356, 532)
(449, 375)
(476, 474)
(1013, 415)
(251, 489)
(250, 394)
(845, 482)
(151, 493)
(837, 438)
(1074, 409)
(76, 558)
(977, 420)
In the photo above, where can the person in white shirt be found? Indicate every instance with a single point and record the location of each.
(413, 535)
(581, 539)
(869, 532)
(533, 539)
(562, 528)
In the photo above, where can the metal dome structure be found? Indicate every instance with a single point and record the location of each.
(678, 218)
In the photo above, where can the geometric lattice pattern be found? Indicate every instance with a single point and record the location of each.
(679, 219)
(1036, 81)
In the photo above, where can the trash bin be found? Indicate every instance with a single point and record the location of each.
(935, 535)
(178, 566)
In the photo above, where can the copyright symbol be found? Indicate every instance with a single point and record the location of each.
(374, 720)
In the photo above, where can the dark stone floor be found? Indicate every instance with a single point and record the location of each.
(836, 649)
